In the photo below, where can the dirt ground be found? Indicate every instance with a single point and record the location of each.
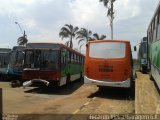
(79, 100)
(147, 95)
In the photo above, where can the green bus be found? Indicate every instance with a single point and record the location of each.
(51, 63)
(153, 35)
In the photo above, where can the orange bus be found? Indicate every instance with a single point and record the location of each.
(109, 63)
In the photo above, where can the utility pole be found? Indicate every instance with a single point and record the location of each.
(23, 39)
(111, 20)
(23, 33)
(19, 27)
(110, 12)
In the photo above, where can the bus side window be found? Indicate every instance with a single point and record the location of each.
(71, 57)
(75, 58)
(67, 57)
(154, 30)
(158, 26)
(78, 59)
(63, 58)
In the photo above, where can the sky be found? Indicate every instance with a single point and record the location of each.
(43, 19)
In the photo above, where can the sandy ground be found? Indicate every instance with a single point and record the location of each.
(147, 95)
(79, 100)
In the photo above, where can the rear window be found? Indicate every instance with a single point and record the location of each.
(107, 50)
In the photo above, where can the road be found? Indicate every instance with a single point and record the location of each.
(76, 100)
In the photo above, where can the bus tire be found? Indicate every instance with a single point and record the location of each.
(143, 70)
(101, 88)
(150, 76)
(81, 77)
(68, 78)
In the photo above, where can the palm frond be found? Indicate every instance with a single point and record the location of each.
(90, 39)
(102, 37)
(81, 40)
(96, 36)
(64, 29)
(68, 31)
(69, 26)
(89, 32)
(81, 45)
(22, 40)
(63, 35)
(105, 2)
(75, 29)
(78, 37)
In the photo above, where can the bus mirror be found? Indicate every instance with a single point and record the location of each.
(135, 49)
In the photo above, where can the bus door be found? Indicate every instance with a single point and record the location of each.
(32, 63)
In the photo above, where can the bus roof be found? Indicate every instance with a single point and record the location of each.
(95, 41)
(59, 44)
(18, 48)
(144, 39)
(5, 50)
(156, 10)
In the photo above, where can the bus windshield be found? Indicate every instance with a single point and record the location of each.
(143, 50)
(107, 50)
(42, 59)
(4, 59)
(16, 59)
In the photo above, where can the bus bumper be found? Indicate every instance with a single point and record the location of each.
(123, 84)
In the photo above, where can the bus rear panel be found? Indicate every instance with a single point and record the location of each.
(108, 63)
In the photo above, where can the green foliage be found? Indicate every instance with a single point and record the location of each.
(22, 40)
(83, 35)
(68, 31)
(97, 37)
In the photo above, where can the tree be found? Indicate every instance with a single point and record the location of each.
(84, 35)
(22, 40)
(68, 31)
(110, 13)
(97, 37)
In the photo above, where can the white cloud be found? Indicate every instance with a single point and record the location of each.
(84, 11)
(126, 9)
(42, 19)
(14, 6)
(30, 23)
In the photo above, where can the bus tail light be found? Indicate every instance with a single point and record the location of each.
(56, 75)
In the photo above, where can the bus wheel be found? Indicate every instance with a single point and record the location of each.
(101, 88)
(81, 78)
(150, 76)
(143, 70)
(68, 78)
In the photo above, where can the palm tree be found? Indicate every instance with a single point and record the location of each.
(84, 35)
(22, 40)
(97, 37)
(110, 13)
(68, 31)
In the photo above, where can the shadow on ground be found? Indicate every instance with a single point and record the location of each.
(63, 90)
(113, 93)
(156, 86)
(6, 78)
